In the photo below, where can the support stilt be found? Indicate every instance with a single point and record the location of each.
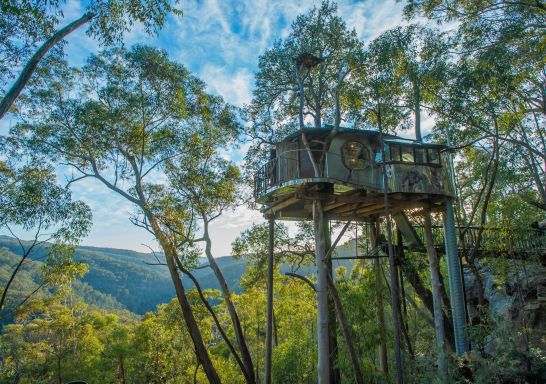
(455, 280)
(323, 367)
(269, 327)
(383, 358)
(393, 274)
(335, 374)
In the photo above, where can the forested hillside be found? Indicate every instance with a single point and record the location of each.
(123, 279)
(117, 278)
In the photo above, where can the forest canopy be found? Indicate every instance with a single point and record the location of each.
(375, 282)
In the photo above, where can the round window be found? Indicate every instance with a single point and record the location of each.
(355, 155)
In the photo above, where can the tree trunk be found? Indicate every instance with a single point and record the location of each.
(32, 64)
(335, 374)
(355, 363)
(11, 278)
(212, 313)
(425, 295)
(269, 324)
(403, 310)
(436, 295)
(245, 353)
(323, 367)
(122, 370)
(417, 107)
(193, 329)
(383, 361)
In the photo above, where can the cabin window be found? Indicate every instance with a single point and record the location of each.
(433, 156)
(420, 155)
(355, 155)
(407, 154)
(395, 152)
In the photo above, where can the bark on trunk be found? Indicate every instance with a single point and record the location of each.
(243, 348)
(269, 324)
(426, 297)
(335, 373)
(213, 314)
(417, 95)
(193, 329)
(436, 295)
(355, 363)
(32, 64)
(11, 278)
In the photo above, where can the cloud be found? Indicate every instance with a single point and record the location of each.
(228, 227)
(220, 41)
(235, 86)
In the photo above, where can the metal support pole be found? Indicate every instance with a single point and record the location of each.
(394, 299)
(269, 327)
(383, 357)
(323, 367)
(399, 373)
(455, 280)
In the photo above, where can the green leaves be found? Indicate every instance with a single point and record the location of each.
(32, 200)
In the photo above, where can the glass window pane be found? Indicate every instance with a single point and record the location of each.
(407, 154)
(433, 156)
(355, 155)
(420, 155)
(395, 152)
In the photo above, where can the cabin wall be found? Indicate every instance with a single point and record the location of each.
(351, 161)
(368, 177)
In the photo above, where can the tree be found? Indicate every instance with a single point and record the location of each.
(500, 50)
(308, 78)
(209, 185)
(27, 23)
(120, 120)
(416, 58)
(31, 201)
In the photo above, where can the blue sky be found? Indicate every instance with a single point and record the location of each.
(220, 41)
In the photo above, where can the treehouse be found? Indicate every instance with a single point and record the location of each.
(349, 176)
(358, 173)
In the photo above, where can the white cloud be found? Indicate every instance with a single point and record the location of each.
(220, 41)
(234, 87)
(227, 227)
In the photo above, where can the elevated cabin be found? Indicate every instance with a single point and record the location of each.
(350, 180)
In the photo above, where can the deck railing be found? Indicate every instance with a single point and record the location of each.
(289, 165)
(495, 240)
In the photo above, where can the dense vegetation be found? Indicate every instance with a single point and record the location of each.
(147, 129)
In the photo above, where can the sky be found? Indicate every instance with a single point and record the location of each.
(220, 41)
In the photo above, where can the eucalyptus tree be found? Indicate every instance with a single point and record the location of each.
(209, 185)
(124, 120)
(379, 103)
(500, 53)
(32, 204)
(417, 58)
(294, 252)
(30, 30)
(482, 24)
(307, 78)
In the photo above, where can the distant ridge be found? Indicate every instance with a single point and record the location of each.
(121, 278)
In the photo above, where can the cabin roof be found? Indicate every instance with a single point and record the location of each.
(387, 137)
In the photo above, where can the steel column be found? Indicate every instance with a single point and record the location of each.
(455, 280)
